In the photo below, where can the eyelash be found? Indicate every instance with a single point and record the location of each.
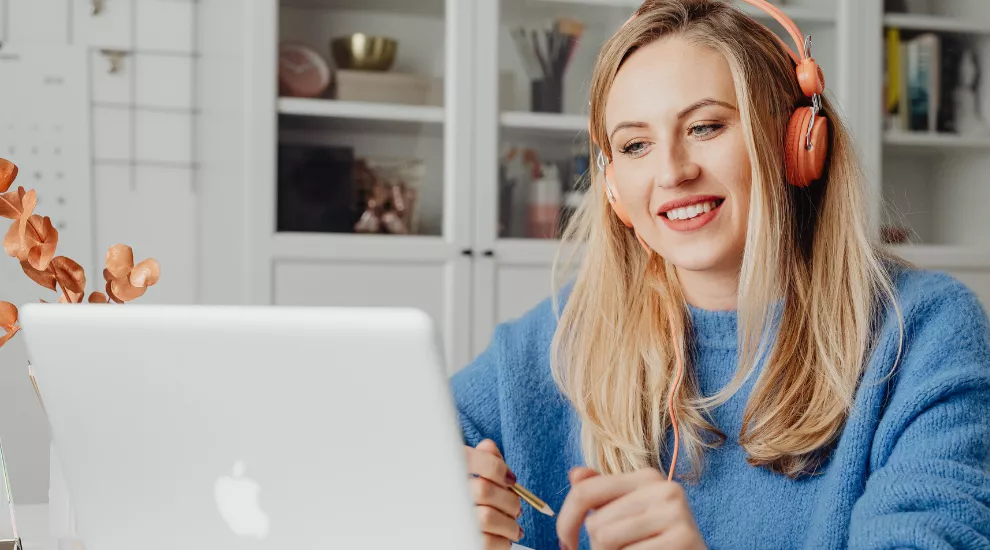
(712, 131)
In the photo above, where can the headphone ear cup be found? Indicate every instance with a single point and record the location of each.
(804, 166)
(615, 201)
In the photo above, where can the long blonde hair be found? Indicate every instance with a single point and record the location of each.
(811, 283)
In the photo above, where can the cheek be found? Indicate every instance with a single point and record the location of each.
(635, 188)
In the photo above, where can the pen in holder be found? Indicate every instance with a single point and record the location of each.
(545, 55)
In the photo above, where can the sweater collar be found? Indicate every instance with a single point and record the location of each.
(714, 328)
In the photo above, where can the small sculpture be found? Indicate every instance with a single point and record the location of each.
(969, 121)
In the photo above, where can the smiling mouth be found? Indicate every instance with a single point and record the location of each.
(692, 211)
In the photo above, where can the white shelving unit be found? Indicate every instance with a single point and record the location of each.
(937, 23)
(933, 141)
(468, 269)
(934, 184)
(360, 111)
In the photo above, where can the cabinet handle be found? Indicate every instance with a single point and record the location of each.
(467, 252)
(96, 6)
(115, 58)
(489, 253)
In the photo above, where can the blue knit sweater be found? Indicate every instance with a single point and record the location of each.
(909, 471)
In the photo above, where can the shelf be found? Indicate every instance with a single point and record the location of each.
(934, 141)
(799, 14)
(290, 246)
(330, 108)
(936, 23)
(951, 257)
(433, 8)
(544, 123)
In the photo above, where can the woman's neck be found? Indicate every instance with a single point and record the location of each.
(710, 289)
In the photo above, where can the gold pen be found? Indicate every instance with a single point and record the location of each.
(531, 499)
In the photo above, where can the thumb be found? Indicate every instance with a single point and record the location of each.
(579, 474)
(489, 446)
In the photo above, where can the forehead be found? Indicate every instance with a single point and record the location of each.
(663, 77)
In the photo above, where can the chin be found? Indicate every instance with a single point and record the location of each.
(695, 260)
(701, 253)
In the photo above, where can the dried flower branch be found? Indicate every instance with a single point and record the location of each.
(32, 240)
(8, 322)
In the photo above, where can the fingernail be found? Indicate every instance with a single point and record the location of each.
(519, 514)
(564, 547)
(521, 533)
(510, 478)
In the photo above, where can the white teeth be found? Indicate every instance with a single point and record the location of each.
(688, 212)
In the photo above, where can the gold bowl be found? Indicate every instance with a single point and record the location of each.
(364, 52)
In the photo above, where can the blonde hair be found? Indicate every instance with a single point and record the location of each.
(811, 283)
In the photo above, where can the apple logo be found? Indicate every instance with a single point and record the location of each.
(237, 500)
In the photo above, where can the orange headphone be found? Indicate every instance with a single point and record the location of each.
(806, 147)
(805, 151)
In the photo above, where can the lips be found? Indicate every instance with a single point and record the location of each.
(689, 207)
(690, 213)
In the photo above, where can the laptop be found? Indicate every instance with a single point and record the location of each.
(240, 427)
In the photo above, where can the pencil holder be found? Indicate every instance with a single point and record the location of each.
(547, 96)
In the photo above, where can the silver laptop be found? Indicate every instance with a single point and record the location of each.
(235, 428)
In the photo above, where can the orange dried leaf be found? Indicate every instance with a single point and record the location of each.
(8, 321)
(12, 204)
(97, 298)
(145, 274)
(124, 291)
(110, 293)
(30, 200)
(8, 173)
(22, 235)
(8, 314)
(69, 274)
(45, 278)
(12, 241)
(42, 244)
(70, 297)
(120, 260)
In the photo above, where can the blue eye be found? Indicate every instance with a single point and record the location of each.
(633, 148)
(705, 130)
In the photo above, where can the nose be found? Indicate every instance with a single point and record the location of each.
(675, 165)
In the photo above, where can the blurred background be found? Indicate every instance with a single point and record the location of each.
(409, 152)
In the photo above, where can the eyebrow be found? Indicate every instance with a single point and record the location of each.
(683, 113)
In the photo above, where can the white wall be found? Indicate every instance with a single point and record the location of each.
(142, 179)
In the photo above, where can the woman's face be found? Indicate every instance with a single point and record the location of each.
(680, 160)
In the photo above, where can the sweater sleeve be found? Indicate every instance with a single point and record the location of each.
(476, 394)
(930, 487)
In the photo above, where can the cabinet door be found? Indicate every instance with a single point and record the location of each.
(440, 288)
(517, 277)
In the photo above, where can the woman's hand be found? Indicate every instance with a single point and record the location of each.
(497, 506)
(636, 511)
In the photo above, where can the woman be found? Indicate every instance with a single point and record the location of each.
(824, 394)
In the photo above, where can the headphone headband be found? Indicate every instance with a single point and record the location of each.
(789, 25)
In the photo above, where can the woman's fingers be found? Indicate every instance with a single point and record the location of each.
(489, 466)
(497, 506)
(494, 522)
(591, 494)
(490, 447)
(486, 493)
(497, 543)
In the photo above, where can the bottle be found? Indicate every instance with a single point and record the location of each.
(544, 204)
